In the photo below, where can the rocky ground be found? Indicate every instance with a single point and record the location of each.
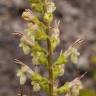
(78, 18)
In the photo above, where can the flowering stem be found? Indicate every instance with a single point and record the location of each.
(50, 64)
(49, 58)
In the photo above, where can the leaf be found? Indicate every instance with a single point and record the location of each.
(34, 1)
(54, 42)
(37, 47)
(61, 59)
(41, 35)
(37, 21)
(48, 17)
(87, 92)
(93, 59)
(38, 7)
(41, 80)
(58, 70)
(44, 85)
(39, 58)
(42, 58)
(74, 59)
(63, 89)
(61, 72)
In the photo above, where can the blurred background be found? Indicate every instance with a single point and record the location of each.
(78, 18)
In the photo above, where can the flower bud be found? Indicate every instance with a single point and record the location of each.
(75, 82)
(26, 50)
(35, 59)
(36, 86)
(74, 51)
(55, 29)
(27, 15)
(23, 79)
(61, 70)
(19, 73)
(32, 28)
(50, 7)
(74, 55)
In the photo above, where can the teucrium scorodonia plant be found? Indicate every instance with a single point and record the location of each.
(45, 29)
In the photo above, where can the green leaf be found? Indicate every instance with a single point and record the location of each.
(44, 85)
(58, 70)
(87, 92)
(39, 58)
(36, 20)
(63, 89)
(38, 7)
(33, 1)
(39, 54)
(48, 17)
(54, 42)
(42, 58)
(41, 35)
(74, 58)
(37, 47)
(61, 59)
(94, 73)
(41, 80)
(93, 59)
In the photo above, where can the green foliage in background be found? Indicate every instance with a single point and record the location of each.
(87, 92)
(93, 59)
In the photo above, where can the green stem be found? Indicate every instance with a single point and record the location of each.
(49, 58)
(50, 64)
